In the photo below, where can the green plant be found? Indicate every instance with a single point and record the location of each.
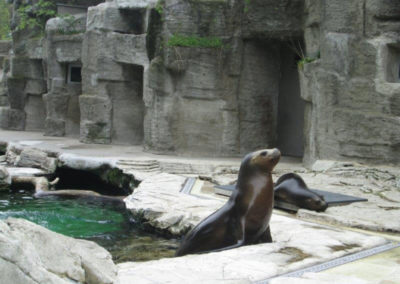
(5, 32)
(160, 7)
(33, 16)
(194, 41)
(304, 59)
(70, 22)
(246, 5)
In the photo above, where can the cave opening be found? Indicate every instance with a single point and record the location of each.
(128, 106)
(105, 181)
(290, 126)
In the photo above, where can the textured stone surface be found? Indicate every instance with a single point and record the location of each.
(219, 100)
(157, 200)
(35, 158)
(270, 18)
(316, 278)
(349, 89)
(114, 74)
(95, 119)
(296, 244)
(379, 185)
(5, 46)
(64, 49)
(48, 257)
(4, 117)
(62, 26)
(25, 76)
(5, 178)
(258, 98)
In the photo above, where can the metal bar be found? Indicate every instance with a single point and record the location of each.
(336, 262)
(187, 187)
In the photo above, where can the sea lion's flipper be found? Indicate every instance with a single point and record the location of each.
(265, 237)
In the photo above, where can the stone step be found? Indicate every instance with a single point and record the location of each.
(138, 163)
(140, 170)
(139, 166)
(132, 166)
(141, 175)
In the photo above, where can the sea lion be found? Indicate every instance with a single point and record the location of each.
(82, 194)
(44, 188)
(244, 219)
(292, 189)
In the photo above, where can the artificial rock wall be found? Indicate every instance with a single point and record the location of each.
(5, 47)
(352, 91)
(225, 100)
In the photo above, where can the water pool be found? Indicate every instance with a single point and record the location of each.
(106, 223)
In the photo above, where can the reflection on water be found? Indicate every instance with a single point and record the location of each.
(107, 224)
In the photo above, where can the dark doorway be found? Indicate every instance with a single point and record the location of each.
(290, 105)
(128, 106)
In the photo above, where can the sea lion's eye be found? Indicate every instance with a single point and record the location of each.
(264, 153)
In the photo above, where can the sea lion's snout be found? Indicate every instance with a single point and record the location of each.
(271, 153)
(275, 153)
(321, 205)
(265, 159)
(316, 203)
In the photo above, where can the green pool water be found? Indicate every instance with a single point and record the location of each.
(105, 223)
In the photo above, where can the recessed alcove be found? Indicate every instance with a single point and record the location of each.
(392, 63)
(74, 73)
(270, 107)
(133, 21)
(128, 106)
(35, 112)
(290, 105)
(74, 89)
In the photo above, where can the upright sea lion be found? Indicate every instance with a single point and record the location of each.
(244, 219)
(292, 189)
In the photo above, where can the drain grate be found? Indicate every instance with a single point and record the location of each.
(187, 187)
(336, 262)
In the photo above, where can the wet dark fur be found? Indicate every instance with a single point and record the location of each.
(244, 219)
(292, 189)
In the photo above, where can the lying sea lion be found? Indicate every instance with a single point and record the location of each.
(44, 188)
(79, 193)
(244, 219)
(292, 189)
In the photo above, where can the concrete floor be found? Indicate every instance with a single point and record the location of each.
(382, 268)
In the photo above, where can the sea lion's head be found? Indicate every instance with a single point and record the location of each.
(316, 203)
(262, 161)
(291, 188)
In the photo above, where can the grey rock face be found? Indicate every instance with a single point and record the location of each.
(172, 212)
(350, 89)
(64, 51)
(258, 96)
(48, 257)
(34, 158)
(272, 18)
(222, 88)
(4, 117)
(5, 46)
(25, 83)
(4, 178)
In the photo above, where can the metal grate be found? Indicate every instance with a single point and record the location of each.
(336, 262)
(187, 187)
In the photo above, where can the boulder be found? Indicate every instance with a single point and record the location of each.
(4, 178)
(32, 254)
(35, 158)
(160, 204)
(296, 245)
